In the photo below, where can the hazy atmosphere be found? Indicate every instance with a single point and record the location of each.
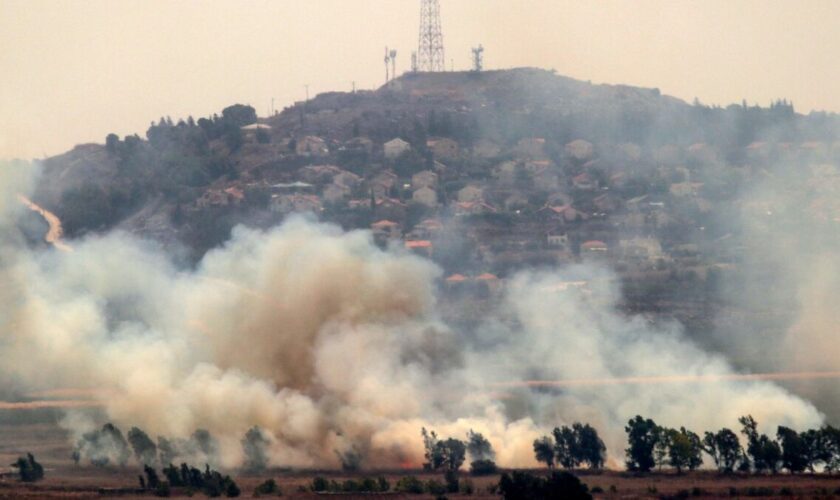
(75, 71)
(542, 250)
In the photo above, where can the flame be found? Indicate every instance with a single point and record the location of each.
(55, 233)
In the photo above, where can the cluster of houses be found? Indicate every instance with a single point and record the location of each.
(509, 206)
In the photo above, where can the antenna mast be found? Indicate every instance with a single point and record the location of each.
(478, 58)
(430, 55)
(387, 61)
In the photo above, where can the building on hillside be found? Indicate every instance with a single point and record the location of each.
(296, 203)
(386, 230)
(420, 247)
(580, 150)
(336, 193)
(425, 178)
(558, 240)
(471, 194)
(463, 208)
(443, 148)
(318, 174)
(311, 145)
(425, 196)
(394, 148)
(486, 149)
(531, 147)
(348, 179)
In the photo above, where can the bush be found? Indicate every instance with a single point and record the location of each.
(483, 468)
(435, 487)
(467, 487)
(409, 484)
(320, 484)
(522, 486)
(29, 470)
(268, 487)
(162, 489)
(597, 489)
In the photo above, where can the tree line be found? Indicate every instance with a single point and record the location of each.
(653, 446)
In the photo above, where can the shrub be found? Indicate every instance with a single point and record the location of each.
(435, 487)
(162, 489)
(409, 484)
(483, 468)
(320, 484)
(268, 487)
(29, 470)
(597, 489)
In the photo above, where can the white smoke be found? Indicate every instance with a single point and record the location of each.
(329, 344)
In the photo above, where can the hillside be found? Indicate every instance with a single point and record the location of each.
(485, 173)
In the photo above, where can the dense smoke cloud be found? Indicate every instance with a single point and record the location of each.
(788, 279)
(329, 345)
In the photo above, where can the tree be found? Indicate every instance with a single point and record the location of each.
(112, 143)
(684, 449)
(764, 452)
(544, 451)
(450, 452)
(724, 448)
(565, 447)
(591, 448)
(642, 436)
(145, 450)
(29, 469)
(794, 450)
(481, 454)
(239, 115)
(255, 445)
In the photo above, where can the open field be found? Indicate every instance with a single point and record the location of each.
(65, 480)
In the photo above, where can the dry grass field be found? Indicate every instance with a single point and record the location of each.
(64, 479)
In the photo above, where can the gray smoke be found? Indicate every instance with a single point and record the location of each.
(329, 344)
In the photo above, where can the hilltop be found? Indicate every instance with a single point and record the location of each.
(485, 173)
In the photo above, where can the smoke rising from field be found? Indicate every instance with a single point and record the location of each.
(330, 346)
(789, 280)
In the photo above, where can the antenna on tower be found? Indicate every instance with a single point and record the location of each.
(478, 58)
(387, 60)
(430, 55)
(393, 55)
(414, 62)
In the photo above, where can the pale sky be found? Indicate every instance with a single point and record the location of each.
(73, 71)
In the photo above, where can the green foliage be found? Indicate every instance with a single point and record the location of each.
(794, 450)
(239, 115)
(724, 448)
(483, 467)
(103, 447)
(449, 453)
(765, 453)
(524, 486)
(29, 470)
(683, 449)
(145, 450)
(409, 484)
(642, 435)
(320, 483)
(544, 451)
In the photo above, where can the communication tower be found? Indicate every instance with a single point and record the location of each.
(387, 62)
(478, 58)
(393, 55)
(430, 55)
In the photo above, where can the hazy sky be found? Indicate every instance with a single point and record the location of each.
(72, 71)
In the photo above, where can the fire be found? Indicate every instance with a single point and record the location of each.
(55, 233)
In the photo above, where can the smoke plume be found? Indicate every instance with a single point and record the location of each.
(328, 344)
